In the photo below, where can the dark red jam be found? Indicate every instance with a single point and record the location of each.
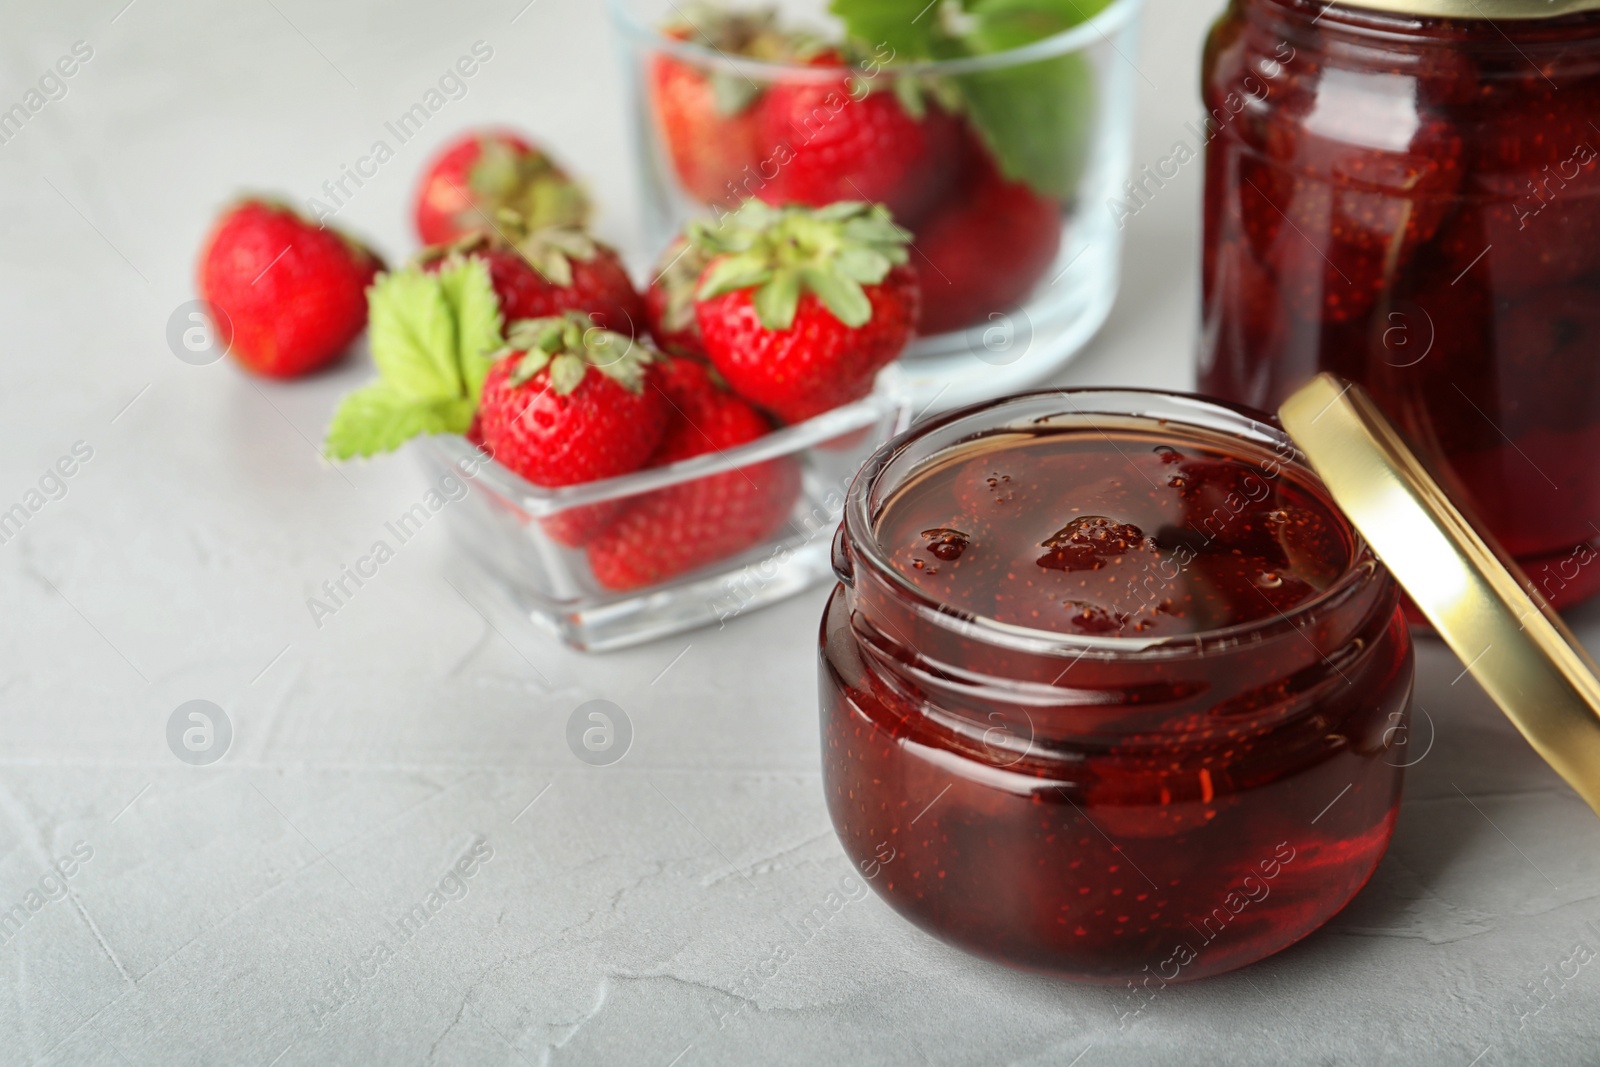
(1414, 203)
(1114, 684)
(1111, 534)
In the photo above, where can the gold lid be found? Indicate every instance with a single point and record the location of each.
(1519, 650)
(1477, 9)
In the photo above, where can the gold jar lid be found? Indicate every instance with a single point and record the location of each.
(1519, 650)
(1476, 9)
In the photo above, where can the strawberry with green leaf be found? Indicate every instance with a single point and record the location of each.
(669, 301)
(800, 308)
(854, 138)
(431, 336)
(568, 403)
(482, 172)
(1037, 118)
(538, 272)
(707, 113)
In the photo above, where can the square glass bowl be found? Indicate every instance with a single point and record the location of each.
(521, 534)
(1015, 280)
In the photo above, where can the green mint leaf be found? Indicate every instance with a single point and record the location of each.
(999, 25)
(477, 318)
(1038, 120)
(413, 335)
(380, 419)
(910, 28)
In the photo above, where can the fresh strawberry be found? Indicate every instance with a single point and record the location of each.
(838, 140)
(476, 175)
(669, 302)
(800, 309)
(684, 527)
(569, 405)
(546, 272)
(707, 115)
(291, 295)
(984, 250)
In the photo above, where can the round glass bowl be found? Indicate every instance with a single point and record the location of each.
(1112, 799)
(1001, 165)
(1413, 203)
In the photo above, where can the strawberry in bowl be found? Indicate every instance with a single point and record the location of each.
(800, 308)
(537, 272)
(479, 173)
(684, 527)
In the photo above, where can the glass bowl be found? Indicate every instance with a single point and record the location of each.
(1019, 246)
(521, 534)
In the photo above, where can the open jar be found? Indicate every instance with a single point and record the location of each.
(1113, 685)
(1407, 193)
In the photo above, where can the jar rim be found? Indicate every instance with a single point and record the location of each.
(1097, 28)
(1187, 409)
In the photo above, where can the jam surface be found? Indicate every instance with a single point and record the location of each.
(1128, 813)
(1116, 534)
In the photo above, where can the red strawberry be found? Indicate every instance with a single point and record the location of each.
(833, 144)
(291, 295)
(800, 309)
(707, 115)
(669, 302)
(684, 527)
(550, 271)
(983, 251)
(569, 405)
(476, 175)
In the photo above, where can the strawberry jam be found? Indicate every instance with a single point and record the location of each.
(1414, 203)
(1115, 684)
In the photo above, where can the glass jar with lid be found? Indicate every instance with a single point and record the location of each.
(1115, 684)
(1407, 193)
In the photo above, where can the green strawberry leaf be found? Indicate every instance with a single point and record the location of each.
(777, 301)
(380, 419)
(910, 27)
(732, 93)
(734, 272)
(1000, 25)
(413, 335)
(865, 265)
(478, 320)
(432, 338)
(840, 295)
(566, 373)
(1037, 118)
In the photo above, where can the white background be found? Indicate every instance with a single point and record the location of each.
(223, 905)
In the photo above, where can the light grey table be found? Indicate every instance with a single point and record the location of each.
(261, 910)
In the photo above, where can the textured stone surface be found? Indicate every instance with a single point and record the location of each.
(246, 912)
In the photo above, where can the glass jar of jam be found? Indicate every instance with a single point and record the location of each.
(1407, 193)
(1110, 688)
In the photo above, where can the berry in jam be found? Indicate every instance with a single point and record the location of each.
(1112, 533)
